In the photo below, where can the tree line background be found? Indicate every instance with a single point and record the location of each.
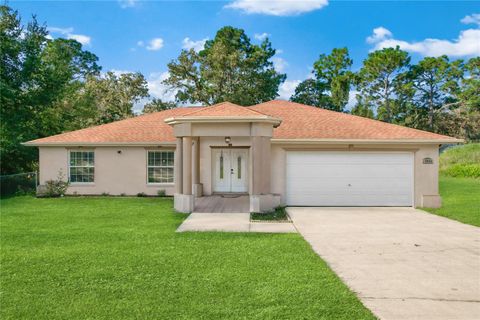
(49, 86)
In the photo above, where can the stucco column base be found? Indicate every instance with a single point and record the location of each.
(264, 202)
(197, 190)
(184, 203)
(431, 201)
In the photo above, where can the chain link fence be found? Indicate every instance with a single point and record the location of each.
(18, 184)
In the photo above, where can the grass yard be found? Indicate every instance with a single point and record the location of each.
(112, 258)
(460, 200)
(461, 161)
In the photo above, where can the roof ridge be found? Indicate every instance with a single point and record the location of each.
(224, 103)
(201, 108)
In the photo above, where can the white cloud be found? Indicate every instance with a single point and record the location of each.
(277, 7)
(118, 72)
(379, 34)
(467, 44)
(83, 39)
(155, 44)
(140, 43)
(352, 99)
(261, 36)
(68, 33)
(287, 89)
(188, 44)
(159, 90)
(127, 3)
(60, 30)
(472, 19)
(279, 64)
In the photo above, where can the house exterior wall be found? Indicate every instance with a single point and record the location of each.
(425, 175)
(127, 172)
(114, 173)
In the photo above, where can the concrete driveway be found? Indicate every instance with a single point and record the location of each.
(403, 263)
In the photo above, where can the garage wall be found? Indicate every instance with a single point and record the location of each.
(114, 173)
(426, 178)
(425, 175)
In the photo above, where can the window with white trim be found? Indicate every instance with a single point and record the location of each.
(160, 166)
(82, 167)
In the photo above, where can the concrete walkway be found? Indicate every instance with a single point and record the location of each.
(402, 263)
(231, 222)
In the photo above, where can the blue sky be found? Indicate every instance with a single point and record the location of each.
(144, 36)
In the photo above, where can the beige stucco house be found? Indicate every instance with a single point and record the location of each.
(277, 152)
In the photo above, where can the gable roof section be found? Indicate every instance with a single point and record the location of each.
(224, 109)
(302, 122)
(224, 112)
(298, 123)
(144, 129)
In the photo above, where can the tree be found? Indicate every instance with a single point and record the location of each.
(469, 90)
(363, 108)
(311, 92)
(379, 77)
(434, 80)
(331, 84)
(158, 105)
(461, 117)
(36, 73)
(229, 68)
(115, 95)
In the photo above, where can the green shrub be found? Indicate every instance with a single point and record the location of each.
(55, 188)
(105, 194)
(141, 194)
(462, 170)
(461, 161)
(161, 193)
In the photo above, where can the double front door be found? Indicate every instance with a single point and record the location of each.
(230, 170)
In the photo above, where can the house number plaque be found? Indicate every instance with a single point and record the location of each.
(427, 161)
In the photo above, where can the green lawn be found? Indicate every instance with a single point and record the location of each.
(111, 258)
(460, 200)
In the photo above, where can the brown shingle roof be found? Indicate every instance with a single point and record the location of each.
(142, 129)
(298, 122)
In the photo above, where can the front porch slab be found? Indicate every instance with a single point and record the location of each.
(228, 213)
(223, 204)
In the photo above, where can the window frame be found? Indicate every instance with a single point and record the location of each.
(147, 166)
(69, 166)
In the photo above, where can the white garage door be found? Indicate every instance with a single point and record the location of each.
(318, 178)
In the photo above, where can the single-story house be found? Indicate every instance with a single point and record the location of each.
(277, 152)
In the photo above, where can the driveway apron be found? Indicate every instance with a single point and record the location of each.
(403, 263)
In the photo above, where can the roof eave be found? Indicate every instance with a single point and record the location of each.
(368, 141)
(99, 144)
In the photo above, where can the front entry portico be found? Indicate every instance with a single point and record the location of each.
(220, 153)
